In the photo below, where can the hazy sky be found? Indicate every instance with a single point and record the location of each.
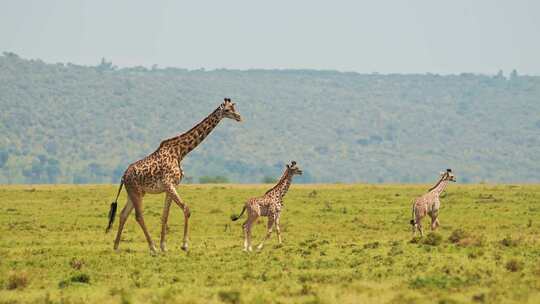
(364, 36)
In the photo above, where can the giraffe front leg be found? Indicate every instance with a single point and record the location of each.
(278, 229)
(164, 220)
(434, 220)
(268, 230)
(252, 218)
(171, 191)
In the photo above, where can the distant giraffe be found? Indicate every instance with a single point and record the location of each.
(429, 204)
(270, 205)
(160, 172)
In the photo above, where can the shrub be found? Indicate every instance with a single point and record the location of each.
(432, 239)
(457, 235)
(508, 241)
(269, 180)
(213, 179)
(17, 280)
(440, 282)
(372, 245)
(480, 298)
(415, 240)
(80, 278)
(514, 265)
(232, 297)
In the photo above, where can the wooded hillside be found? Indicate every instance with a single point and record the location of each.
(64, 123)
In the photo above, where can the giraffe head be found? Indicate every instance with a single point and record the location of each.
(294, 169)
(448, 175)
(228, 110)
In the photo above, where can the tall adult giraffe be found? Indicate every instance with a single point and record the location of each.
(161, 172)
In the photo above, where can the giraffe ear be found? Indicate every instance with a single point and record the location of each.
(448, 170)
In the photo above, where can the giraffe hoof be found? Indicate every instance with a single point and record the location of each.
(184, 247)
(163, 248)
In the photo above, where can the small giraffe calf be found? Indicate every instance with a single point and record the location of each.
(429, 204)
(270, 205)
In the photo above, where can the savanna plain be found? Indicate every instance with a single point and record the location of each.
(341, 244)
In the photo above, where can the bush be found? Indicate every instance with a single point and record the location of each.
(372, 245)
(464, 239)
(232, 297)
(439, 282)
(269, 180)
(17, 280)
(457, 235)
(80, 278)
(508, 241)
(514, 265)
(213, 180)
(432, 239)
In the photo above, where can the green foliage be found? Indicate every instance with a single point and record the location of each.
(65, 123)
(438, 282)
(213, 180)
(231, 297)
(457, 235)
(432, 239)
(54, 235)
(269, 180)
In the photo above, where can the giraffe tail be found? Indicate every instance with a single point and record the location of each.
(114, 206)
(235, 217)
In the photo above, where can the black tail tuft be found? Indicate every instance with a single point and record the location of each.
(412, 222)
(112, 214)
(235, 217)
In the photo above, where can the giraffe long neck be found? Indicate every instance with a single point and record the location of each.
(283, 184)
(182, 144)
(439, 188)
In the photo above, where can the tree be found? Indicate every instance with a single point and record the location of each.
(213, 179)
(269, 180)
(4, 156)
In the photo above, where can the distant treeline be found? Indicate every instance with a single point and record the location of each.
(66, 123)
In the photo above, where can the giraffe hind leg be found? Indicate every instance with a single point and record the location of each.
(136, 199)
(248, 226)
(123, 218)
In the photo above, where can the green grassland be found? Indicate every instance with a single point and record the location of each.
(342, 244)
